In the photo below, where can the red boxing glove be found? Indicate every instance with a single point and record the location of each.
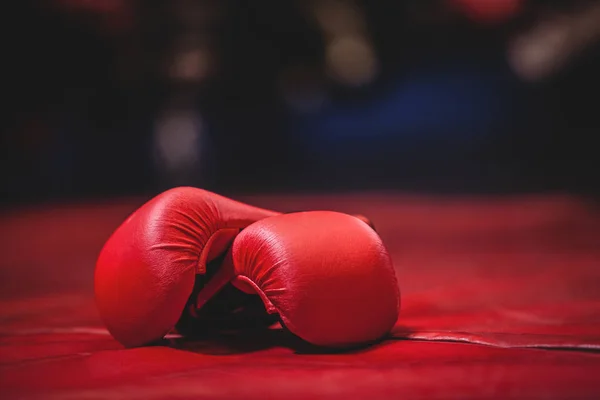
(147, 269)
(327, 275)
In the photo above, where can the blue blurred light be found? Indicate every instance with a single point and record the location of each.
(462, 101)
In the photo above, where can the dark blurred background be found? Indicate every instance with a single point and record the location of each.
(123, 97)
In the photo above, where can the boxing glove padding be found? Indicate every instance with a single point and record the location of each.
(146, 271)
(326, 274)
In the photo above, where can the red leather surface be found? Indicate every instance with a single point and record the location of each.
(326, 274)
(500, 299)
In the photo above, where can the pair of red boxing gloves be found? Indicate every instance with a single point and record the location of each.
(190, 260)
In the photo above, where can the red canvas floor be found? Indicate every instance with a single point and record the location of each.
(500, 300)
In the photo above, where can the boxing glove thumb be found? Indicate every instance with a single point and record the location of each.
(327, 274)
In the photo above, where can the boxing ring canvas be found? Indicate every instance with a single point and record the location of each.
(500, 300)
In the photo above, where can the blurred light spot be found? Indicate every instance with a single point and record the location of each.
(536, 57)
(191, 65)
(178, 140)
(351, 60)
(489, 11)
(553, 42)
